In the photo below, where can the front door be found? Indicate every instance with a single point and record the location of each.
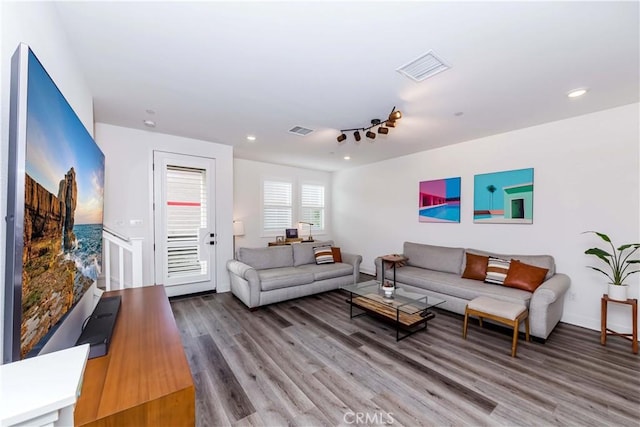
(185, 236)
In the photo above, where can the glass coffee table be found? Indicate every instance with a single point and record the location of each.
(409, 310)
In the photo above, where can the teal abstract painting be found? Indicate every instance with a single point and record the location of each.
(503, 197)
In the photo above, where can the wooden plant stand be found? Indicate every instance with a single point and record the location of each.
(604, 331)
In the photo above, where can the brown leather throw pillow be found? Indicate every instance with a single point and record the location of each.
(337, 255)
(524, 276)
(476, 267)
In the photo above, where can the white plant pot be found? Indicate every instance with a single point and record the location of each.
(618, 292)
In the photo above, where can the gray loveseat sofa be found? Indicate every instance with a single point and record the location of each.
(437, 271)
(263, 276)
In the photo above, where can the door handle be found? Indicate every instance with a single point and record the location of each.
(212, 242)
(212, 234)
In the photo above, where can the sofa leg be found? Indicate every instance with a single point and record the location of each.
(253, 308)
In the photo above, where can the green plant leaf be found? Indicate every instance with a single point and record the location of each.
(598, 252)
(629, 245)
(601, 271)
(601, 235)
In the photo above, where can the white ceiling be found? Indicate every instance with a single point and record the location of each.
(219, 71)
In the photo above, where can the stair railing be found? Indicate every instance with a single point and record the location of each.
(132, 245)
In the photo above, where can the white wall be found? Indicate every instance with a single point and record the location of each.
(247, 198)
(129, 188)
(35, 23)
(585, 175)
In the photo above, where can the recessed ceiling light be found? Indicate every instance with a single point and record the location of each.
(347, 158)
(577, 92)
(149, 123)
(251, 138)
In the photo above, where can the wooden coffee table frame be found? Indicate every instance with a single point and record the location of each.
(405, 322)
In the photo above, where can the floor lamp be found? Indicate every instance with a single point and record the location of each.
(238, 230)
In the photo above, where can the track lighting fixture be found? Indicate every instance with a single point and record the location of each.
(383, 127)
(395, 115)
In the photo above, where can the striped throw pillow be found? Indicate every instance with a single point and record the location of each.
(323, 254)
(497, 269)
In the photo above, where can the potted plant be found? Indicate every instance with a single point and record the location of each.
(619, 265)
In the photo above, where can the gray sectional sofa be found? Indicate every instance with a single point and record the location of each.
(437, 271)
(263, 276)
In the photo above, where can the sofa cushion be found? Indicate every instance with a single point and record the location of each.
(524, 276)
(323, 254)
(327, 271)
(450, 284)
(475, 267)
(270, 257)
(276, 278)
(303, 252)
(438, 258)
(542, 261)
(497, 269)
(337, 254)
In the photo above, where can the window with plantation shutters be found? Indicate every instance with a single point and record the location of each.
(312, 205)
(186, 213)
(276, 206)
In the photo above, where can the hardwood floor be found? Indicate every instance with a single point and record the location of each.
(305, 363)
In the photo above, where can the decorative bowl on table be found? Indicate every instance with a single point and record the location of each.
(388, 289)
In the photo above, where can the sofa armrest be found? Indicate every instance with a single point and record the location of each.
(240, 269)
(354, 260)
(551, 289)
(245, 282)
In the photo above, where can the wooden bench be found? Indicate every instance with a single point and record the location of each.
(507, 313)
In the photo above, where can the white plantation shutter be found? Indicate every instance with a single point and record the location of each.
(312, 205)
(276, 206)
(186, 214)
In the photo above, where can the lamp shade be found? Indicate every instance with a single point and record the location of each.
(238, 228)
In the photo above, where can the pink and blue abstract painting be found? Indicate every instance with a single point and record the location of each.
(439, 200)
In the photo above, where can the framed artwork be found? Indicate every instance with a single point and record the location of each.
(291, 233)
(439, 200)
(279, 239)
(503, 197)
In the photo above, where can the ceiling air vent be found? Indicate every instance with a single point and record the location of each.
(423, 67)
(299, 130)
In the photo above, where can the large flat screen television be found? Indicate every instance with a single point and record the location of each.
(54, 216)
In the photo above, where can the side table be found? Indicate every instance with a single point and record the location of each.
(393, 260)
(604, 331)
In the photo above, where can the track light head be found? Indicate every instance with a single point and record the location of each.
(341, 138)
(395, 115)
(371, 135)
(390, 124)
(383, 130)
(357, 136)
